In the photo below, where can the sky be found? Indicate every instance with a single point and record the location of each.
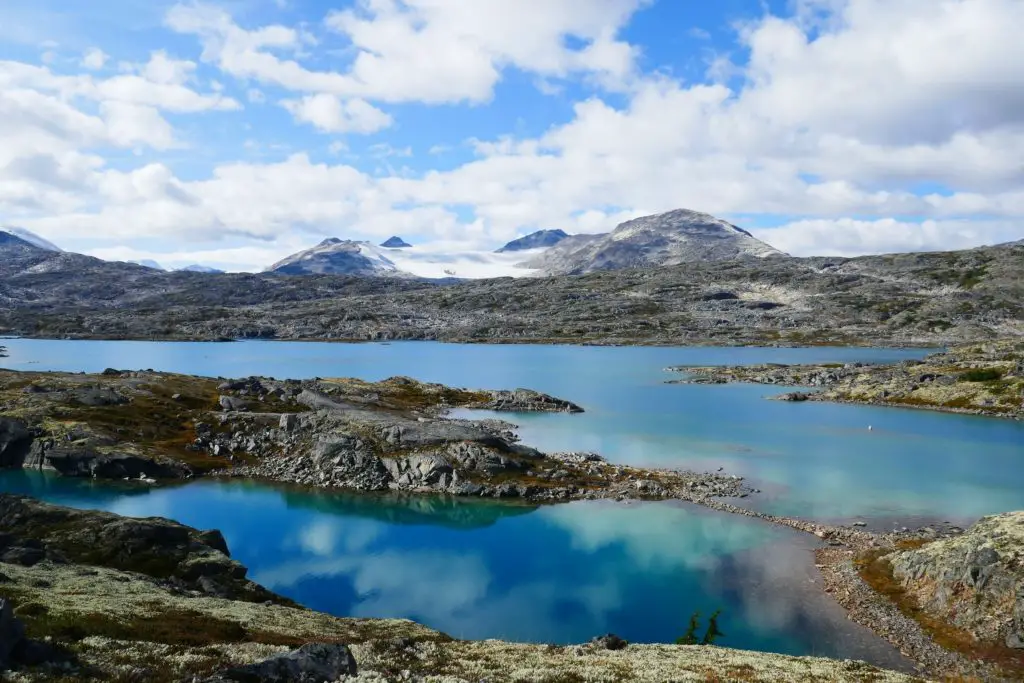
(235, 132)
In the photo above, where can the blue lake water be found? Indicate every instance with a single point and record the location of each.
(566, 573)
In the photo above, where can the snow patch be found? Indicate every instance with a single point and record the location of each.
(31, 238)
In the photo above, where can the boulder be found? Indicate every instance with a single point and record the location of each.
(609, 642)
(230, 403)
(312, 663)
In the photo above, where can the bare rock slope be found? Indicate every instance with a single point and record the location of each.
(974, 581)
(665, 239)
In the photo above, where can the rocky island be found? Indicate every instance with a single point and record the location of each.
(340, 433)
(983, 378)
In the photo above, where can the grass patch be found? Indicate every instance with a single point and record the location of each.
(981, 375)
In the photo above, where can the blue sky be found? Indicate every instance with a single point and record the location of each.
(235, 132)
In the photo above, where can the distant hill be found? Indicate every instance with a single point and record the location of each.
(148, 263)
(535, 240)
(395, 242)
(10, 235)
(339, 257)
(196, 268)
(665, 239)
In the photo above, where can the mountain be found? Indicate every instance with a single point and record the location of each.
(395, 242)
(913, 299)
(535, 240)
(148, 263)
(11, 235)
(339, 257)
(665, 239)
(196, 268)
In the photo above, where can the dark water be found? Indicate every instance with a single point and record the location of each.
(567, 573)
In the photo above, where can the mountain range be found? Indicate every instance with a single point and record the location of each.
(665, 239)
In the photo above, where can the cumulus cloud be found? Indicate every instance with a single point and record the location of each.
(848, 237)
(907, 114)
(330, 114)
(94, 59)
(431, 51)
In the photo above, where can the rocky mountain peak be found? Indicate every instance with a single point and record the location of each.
(395, 242)
(20, 237)
(535, 240)
(665, 239)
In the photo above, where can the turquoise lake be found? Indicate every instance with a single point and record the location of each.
(567, 573)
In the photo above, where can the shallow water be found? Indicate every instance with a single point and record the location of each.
(567, 573)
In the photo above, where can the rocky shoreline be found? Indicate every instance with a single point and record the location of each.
(78, 607)
(392, 437)
(388, 436)
(977, 379)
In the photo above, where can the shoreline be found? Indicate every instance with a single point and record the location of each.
(834, 561)
(982, 379)
(617, 482)
(518, 341)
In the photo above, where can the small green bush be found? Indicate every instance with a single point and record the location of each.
(710, 635)
(981, 375)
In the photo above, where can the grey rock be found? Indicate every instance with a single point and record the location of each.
(312, 663)
(609, 642)
(528, 401)
(231, 403)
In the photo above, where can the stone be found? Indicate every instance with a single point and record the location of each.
(609, 642)
(312, 663)
(230, 403)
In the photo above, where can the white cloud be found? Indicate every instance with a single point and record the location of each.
(847, 108)
(94, 59)
(430, 51)
(331, 114)
(848, 237)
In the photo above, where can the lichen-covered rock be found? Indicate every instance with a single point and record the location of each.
(975, 581)
(527, 401)
(31, 531)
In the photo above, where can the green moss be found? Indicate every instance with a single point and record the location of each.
(981, 375)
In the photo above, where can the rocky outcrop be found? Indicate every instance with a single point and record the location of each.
(975, 581)
(85, 462)
(32, 531)
(15, 442)
(983, 379)
(527, 401)
(312, 663)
